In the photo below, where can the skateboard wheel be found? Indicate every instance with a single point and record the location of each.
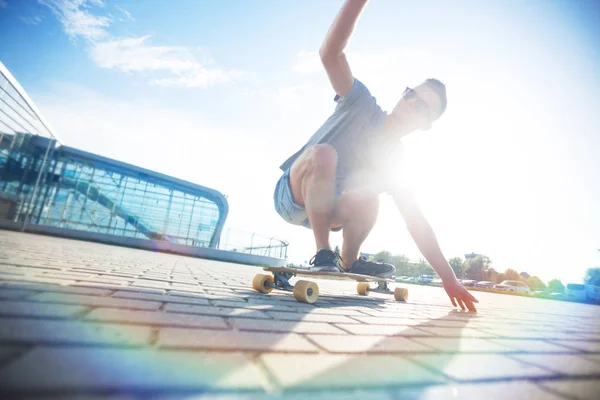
(306, 291)
(363, 288)
(258, 283)
(401, 294)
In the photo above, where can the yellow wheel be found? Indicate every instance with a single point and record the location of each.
(363, 288)
(258, 283)
(306, 291)
(401, 294)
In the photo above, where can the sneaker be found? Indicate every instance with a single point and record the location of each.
(373, 268)
(326, 260)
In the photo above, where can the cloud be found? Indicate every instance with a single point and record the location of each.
(77, 20)
(32, 20)
(175, 66)
(127, 15)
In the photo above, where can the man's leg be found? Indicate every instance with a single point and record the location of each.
(312, 181)
(357, 213)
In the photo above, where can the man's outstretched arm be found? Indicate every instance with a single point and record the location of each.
(425, 239)
(332, 49)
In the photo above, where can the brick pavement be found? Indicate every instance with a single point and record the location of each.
(80, 319)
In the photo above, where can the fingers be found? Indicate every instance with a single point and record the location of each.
(462, 305)
(470, 306)
(472, 298)
(453, 302)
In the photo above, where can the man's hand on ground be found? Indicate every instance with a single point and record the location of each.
(458, 294)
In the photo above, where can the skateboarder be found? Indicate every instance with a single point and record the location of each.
(333, 181)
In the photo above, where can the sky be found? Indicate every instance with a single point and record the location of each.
(220, 93)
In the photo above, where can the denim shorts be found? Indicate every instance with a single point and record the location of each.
(285, 205)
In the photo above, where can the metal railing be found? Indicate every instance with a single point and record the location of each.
(239, 240)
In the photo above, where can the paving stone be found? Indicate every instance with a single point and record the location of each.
(36, 309)
(55, 288)
(519, 390)
(37, 331)
(150, 284)
(368, 344)
(96, 301)
(35, 279)
(308, 317)
(588, 336)
(386, 321)
(347, 311)
(247, 324)
(227, 301)
(569, 364)
(462, 345)
(580, 389)
(221, 311)
(593, 357)
(156, 318)
(233, 340)
(263, 307)
(120, 288)
(529, 334)
(383, 330)
(456, 332)
(469, 367)
(160, 297)
(590, 346)
(14, 293)
(328, 371)
(135, 370)
(8, 353)
(537, 346)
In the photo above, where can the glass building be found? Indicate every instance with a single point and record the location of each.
(43, 182)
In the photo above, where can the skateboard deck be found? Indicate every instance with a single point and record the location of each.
(308, 291)
(329, 275)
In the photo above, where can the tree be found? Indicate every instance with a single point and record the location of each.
(493, 275)
(425, 268)
(555, 285)
(535, 283)
(476, 268)
(501, 277)
(402, 265)
(458, 266)
(592, 276)
(512, 275)
(337, 250)
(386, 256)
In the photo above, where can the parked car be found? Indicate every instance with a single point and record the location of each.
(582, 292)
(514, 287)
(468, 282)
(485, 285)
(437, 281)
(425, 278)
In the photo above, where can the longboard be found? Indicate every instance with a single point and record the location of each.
(308, 291)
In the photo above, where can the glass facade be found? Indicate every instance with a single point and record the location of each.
(43, 182)
(80, 190)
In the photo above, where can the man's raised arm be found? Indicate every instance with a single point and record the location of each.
(332, 49)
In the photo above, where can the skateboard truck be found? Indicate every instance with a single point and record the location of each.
(282, 281)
